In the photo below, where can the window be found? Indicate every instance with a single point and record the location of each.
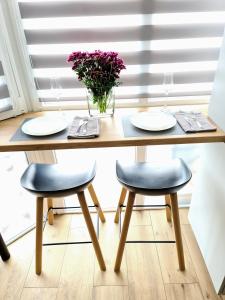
(5, 101)
(160, 39)
(12, 100)
(17, 213)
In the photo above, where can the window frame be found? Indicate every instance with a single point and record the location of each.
(10, 70)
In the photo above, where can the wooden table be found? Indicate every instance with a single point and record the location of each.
(111, 135)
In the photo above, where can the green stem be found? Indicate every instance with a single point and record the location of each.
(102, 102)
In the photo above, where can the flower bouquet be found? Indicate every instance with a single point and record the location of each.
(99, 71)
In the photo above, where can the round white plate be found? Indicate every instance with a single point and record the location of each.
(153, 121)
(44, 126)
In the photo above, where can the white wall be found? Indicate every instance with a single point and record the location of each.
(207, 212)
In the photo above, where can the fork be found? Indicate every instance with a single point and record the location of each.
(188, 121)
(84, 126)
(82, 123)
(194, 118)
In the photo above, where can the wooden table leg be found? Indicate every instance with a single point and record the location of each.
(96, 202)
(124, 232)
(4, 252)
(121, 201)
(91, 230)
(177, 229)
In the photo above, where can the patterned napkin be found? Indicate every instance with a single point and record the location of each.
(194, 122)
(84, 127)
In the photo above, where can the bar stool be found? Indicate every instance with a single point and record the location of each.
(52, 181)
(151, 179)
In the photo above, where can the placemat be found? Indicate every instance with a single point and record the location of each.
(130, 130)
(20, 136)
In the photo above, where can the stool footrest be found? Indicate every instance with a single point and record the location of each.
(69, 207)
(151, 242)
(148, 205)
(66, 243)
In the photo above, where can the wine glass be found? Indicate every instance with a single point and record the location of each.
(167, 87)
(56, 91)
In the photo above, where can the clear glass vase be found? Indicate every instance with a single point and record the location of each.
(101, 105)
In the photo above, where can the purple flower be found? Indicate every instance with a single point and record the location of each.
(98, 70)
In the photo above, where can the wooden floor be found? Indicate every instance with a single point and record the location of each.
(149, 271)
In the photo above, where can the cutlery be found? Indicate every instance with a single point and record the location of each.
(188, 121)
(82, 122)
(192, 118)
(84, 126)
(196, 120)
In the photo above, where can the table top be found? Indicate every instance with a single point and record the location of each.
(111, 134)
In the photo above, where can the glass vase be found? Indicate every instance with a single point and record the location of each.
(101, 105)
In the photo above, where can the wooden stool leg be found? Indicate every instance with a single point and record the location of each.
(177, 229)
(50, 212)
(168, 209)
(4, 252)
(96, 202)
(91, 230)
(39, 231)
(121, 201)
(124, 232)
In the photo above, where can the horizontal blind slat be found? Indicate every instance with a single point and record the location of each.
(146, 32)
(1, 69)
(142, 57)
(5, 107)
(133, 80)
(131, 96)
(36, 9)
(4, 92)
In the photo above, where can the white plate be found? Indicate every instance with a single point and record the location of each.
(44, 126)
(153, 121)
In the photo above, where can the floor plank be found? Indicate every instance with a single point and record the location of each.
(184, 216)
(52, 255)
(76, 281)
(183, 291)
(39, 293)
(109, 239)
(144, 275)
(204, 279)
(170, 268)
(13, 273)
(163, 230)
(110, 293)
(140, 218)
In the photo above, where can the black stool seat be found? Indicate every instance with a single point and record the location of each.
(55, 180)
(153, 178)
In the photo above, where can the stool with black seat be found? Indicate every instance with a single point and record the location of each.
(151, 179)
(53, 181)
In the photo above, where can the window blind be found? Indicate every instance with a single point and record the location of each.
(157, 39)
(5, 101)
